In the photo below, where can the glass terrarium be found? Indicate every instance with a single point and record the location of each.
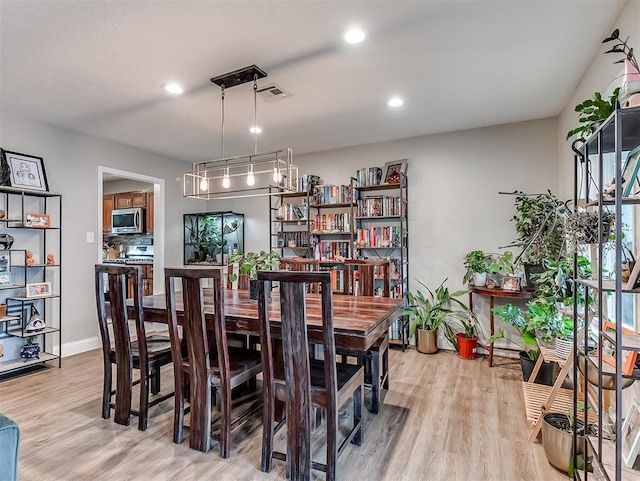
(210, 237)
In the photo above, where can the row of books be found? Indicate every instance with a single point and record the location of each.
(380, 206)
(388, 236)
(293, 211)
(333, 194)
(293, 239)
(325, 250)
(337, 279)
(307, 182)
(369, 176)
(340, 222)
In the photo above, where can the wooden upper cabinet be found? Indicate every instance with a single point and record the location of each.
(107, 207)
(124, 200)
(149, 213)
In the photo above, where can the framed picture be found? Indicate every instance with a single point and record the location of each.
(608, 349)
(392, 169)
(5, 262)
(39, 289)
(5, 279)
(631, 435)
(510, 283)
(298, 212)
(630, 173)
(27, 171)
(37, 220)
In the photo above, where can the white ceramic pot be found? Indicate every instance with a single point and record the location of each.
(480, 279)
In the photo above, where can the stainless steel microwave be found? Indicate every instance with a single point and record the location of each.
(128, 221)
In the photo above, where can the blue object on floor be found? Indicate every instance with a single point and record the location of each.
(9, 441)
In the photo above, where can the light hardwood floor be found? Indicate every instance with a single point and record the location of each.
(444, 419)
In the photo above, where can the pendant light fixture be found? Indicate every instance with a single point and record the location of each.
(264, 173)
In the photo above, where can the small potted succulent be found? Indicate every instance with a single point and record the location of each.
(250, 263)
(30, 350)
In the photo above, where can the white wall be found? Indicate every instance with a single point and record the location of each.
(72, 160)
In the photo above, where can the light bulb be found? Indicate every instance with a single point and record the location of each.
(204, 184)
(251, 179)
(226, 181)
(277, 176)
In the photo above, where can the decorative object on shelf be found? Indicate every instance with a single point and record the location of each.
(582, 228)
(29, 260)
(630, 435)
(592, 113)
(5, 279)
(39, 289)
(6, 241)
(1, 350)
(393, 169)
(2, 213)
(631, 78)
(252, 174)
(5, 262)
(26, 171)
(250, 263)
(630, 173)
(3, 310)
(37, 220)
(511, 283)
(36, 323)
(51, 259)
(30, 350)
(5, 172)
(608, 349)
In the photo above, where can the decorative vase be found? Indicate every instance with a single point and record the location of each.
(30, 351)
(467, 346)
(427, 341)
(479, 279)
(557, 439)
(563, 347)
(545, 374)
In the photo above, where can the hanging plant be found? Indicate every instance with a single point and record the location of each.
(582, 228)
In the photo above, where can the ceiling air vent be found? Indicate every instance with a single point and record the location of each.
(272, 93)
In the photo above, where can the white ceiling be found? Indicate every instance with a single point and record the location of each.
(97, 66)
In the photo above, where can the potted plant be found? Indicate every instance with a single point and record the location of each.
(592, 112)
(31, 349)
(476, 264)
(205, 232)
(430, 312)
(582, 228)
(250, 263)
(467, 340)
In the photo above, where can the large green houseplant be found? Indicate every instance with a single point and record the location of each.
(430, 311)
(250, 263)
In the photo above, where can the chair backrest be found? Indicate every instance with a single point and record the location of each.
(243, 279)
(366, 272)
(118, 278)
(295, 346)
(191, 301)
(302, 264)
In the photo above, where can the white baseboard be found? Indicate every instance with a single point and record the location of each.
(77, 347)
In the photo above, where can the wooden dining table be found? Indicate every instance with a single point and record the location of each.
(358, 321)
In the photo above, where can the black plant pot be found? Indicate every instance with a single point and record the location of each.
(545, 374)
(253, 289)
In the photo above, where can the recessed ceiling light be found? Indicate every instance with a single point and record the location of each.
(354, 35)
(172, 88)
(255, 130)
(395, 102)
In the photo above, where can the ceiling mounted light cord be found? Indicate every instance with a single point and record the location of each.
(251, 180)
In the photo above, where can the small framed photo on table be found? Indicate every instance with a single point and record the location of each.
(511, 283)
(37, 220)
(39, 289)
(631, 435)
(27, 171)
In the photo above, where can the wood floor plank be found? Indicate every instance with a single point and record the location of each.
(444, 419)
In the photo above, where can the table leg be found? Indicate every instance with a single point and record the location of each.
(491, 327)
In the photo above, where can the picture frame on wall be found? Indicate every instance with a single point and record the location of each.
(607, 349)
(26, 171)
(631, 435)
(393, 169)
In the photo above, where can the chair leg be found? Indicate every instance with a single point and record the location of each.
(332, 443)
(155, 379)
(267, 435)
(143, 410)
(225, 421)
(385, 368)
(106, 391)
(178, 413)
(375, 382)
(357, 416)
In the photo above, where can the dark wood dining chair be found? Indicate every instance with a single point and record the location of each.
(302, 264)
(366, 272)
(210, 363)
(146, 353)
(290, 376)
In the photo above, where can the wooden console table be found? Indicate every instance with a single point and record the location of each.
(492, 294)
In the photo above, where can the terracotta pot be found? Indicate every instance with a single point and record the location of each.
(3, 310)
(467, 347)
(427, 341)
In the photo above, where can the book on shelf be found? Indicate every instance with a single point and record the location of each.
(333, 194)
(373, 237)
(380, 206)
(338, 222)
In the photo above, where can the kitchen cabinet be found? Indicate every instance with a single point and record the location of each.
(147, 282)
(149, 214)
(124, 200)
(107, 207)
